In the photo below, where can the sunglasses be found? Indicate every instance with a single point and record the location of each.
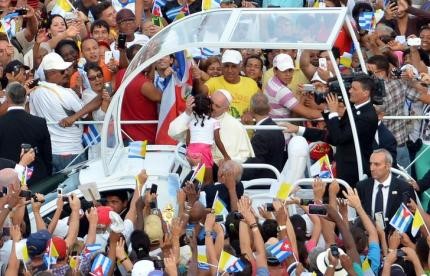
(93, 78)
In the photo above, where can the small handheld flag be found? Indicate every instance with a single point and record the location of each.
(417, 223)
(322, 168)
(210, 4)
(229, 263)
(21, 251)
(91, 248)
(91, 136)
(101, 265)
(202, 258)
(219, 206)
(284, 190)
(281, 250)
(137, 149)
(200, 174)
(402, 219)
(365, 20)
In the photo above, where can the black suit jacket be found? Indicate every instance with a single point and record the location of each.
(223, 194)
(339, 134)
(17, 127)
(386, 141)
(6, 163)
(397, 191)
(269, 148)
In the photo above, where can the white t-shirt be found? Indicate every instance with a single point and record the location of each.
(140, 39)
(203, 134)
(50, 101)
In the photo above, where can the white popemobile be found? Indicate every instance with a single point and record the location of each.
(222, 28)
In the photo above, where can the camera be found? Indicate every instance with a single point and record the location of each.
(153, 189)
(400, 253)
(21, 11)
(317, 209)
(33, 83)
(159, 264)
(306, 202)
(334, 250)
(121, 41)
(219, 218)
(269, 207)
(396, 72)
(238, 216)
(377, 93)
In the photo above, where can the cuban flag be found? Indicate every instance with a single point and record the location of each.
(209, 52)
(156, 7)
(402, 219)
(91, 248)
(177, 12)
(238, 266)
(91, 136)
(101, 266)
(173, 99)
(365, 20)
(8, 24)
(281, 250)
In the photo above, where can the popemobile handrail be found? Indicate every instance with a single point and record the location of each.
(150, 122)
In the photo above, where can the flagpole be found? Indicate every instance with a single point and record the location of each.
(418, 209)
(73, 8)
(25, 266)
(215, 198)
(49, 254)
(424, 223)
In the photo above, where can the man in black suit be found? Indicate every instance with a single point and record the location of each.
(339, 132)
(268, 145)
(383, 192)
(384, 139)
(20, 127)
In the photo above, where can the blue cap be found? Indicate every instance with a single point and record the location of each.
(36, 242)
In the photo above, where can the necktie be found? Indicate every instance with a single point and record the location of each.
(379, 201)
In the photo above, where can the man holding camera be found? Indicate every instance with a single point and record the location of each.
(339, 132)
(23, 128)
(396, 92)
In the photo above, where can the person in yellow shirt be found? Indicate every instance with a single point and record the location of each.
(241, 88)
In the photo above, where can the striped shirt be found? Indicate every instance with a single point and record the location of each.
(281, 99)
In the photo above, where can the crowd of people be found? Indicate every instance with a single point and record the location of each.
(62, 62)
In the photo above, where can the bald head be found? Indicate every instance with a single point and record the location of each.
(230, 166)
(9, 177)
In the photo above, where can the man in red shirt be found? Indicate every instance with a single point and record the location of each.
(139, 103)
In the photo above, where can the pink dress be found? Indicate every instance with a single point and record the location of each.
(202, 139)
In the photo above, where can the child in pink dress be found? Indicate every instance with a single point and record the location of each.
(203, 131)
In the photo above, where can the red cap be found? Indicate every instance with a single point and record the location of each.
(103, 214)
(60, 246)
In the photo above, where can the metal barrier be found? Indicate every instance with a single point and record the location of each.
(404, 117)
(263, 166)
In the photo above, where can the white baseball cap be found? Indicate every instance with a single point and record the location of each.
(54, 61)
(283, 62)
(231, 56)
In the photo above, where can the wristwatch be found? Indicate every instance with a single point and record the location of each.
(281, 228)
